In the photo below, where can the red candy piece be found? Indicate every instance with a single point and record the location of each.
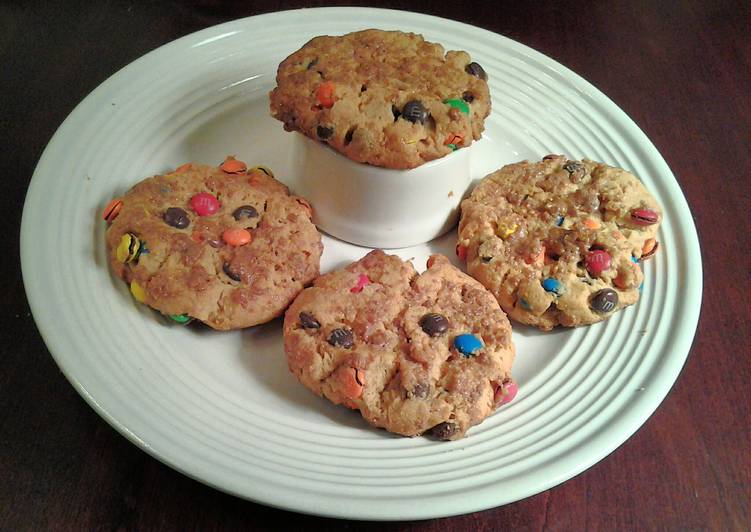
(204, 204)
(362, 281)
(644, 217)
(461, 252)
(325, 94)
(598, 261)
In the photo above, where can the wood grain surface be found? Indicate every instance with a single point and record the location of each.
(681, 70)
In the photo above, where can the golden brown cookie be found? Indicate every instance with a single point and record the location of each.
(226, 246)
(559, 242)
(386, 98)
(413, 353)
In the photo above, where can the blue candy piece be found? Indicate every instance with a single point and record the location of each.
(559, 220)
(553, 285)
(634, 259)
(467, 344)
(524, 304)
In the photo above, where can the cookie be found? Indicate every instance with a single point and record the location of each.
(413, 353)
(559, 242)
(226, 246)
(386, 98)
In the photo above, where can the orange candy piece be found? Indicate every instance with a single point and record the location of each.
(236, 236)
(112, 209)
(649, 249)
(233, 166)
(184, 167)
(353, 381)
(454, 139)
(325, 94)
(591, 223)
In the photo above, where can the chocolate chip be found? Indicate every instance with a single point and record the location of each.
(444, 431)
(307, 321)
(341, 338)
(486, 259)
(176, 217)
(245, 211)
(214, 243)
(230, 273)
(313, 63)
(415, 112)
(476, 70)
(468, 97)
(324, 132)
(604, 301)
(434, 324)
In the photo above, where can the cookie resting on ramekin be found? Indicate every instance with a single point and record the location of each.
(385, 98)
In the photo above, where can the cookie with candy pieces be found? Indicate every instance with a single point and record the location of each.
(386, 98)
(559, 242)
(426, 353)
(225, 245)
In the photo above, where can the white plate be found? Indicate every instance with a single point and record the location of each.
(222, 407)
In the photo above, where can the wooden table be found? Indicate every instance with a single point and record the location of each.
(681, 70)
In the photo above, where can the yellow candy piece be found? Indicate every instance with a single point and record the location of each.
(138, 292)
(128, 249)
(504, 232)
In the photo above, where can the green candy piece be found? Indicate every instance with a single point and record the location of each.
(459, 104)
(452, 146)
(182, 319)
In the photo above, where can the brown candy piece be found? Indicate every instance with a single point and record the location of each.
(307, 321)
(604, 301)
(434, 324)
(245, 211)
(474, 69)
(341, 338)
(176, 217)
(230, 273)
(443, 431)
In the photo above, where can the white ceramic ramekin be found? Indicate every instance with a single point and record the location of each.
(379, 207)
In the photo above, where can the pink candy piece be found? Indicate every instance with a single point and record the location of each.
(204, 204)
(362, 281)
(505, 393)
(598, 261)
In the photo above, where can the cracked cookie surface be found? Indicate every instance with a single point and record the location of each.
(386, 98)
(559, 242)
(377, 337)
(224, 245)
